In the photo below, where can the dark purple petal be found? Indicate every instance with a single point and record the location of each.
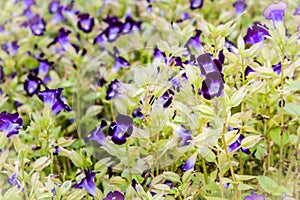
(137, 113)
(29, 14)
(232, 147)
(115, 195)
(62, 38)
(85, 22)
(240, 6)
(112, 129)
(275, 12)
(54, 6)
(248, 70)
(32, 85)
(13, 181)
(195, 4)
(129, 25)
(10, 123)
(112, 89)
(44, 67)
(101, 81)
(37, 25)
(101, 38)
(167, 98)
(87, 183)
(207, 65)
(297, 11)
(190, 163)
(186, 135)
(120, 62)
(11, 48)
(1, 75)
(213, 85)
(195, 42)
(230, 46)
(159, 56)
(256, 33)
(277, 68)
(59, 15)
(184, 16)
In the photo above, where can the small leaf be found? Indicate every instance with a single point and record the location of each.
(41, 163)
(250, 141)
(292, 109)
(238, 97)
(267, 184)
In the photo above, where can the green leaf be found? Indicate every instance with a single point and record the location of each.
(238, 97)
(267, 184)
(250, 141)
(275, 136)
(292, 109)
(205, 111)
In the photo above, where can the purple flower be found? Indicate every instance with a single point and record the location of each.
(97, 134)
(159, 56)
(213, 85)
(184, 16)
(32, 85)
(275, 12)
(115, 27)
(1, 75)
(112, 89)
(37, 25)
(44, 67)
(195, 4)
(85, 22)
(190, 163)
(297, 11)
(237, 145)
(10, 123)
(256, 33)
(240, 6)
(121, 129)
(13, 181)
(120, 62)
(208, 65)
(54, 100)
(137, 113)
(54, 6)
(11, 48)
(248, 70)
(58, 15)
(277, 68)
(186, 135)
(62, 38)
(254, 196)
(194, 42)
(26, 3)
(87, 183)
(27, 13)
(115, 195)
(167, 98)
(130, 25)
(230, 46)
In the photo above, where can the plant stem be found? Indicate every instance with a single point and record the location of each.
(128, 157)
(282, 120)
(220, 175)
(204, 171)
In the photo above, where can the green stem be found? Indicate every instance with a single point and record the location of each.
(128, 157)
(282, 121)
(220, 175)
(204, 171)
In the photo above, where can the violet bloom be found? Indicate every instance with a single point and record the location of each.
(297, 11)
(54, 6)
(195, 4)
(230, 46)
(97, 134)
(237, 145)
(190, 163)
(120, 62)
(87, 183)
(183, 17)
(213, 85)
(37, 25)
(27, 13)
(275, 12)
(256, 33)
(26, 3)
(115, 195)
(277, 68)
(137, 113)
(32, 85)
(1, 75)
(248, 70)
(11, 48)
(194, 42)
(114, 29)
(62, 38)
(121, 129)
(13, 181)
(54, 100)
(85, 22)
(159, 56)
(254, 196)
(10, 123)
(167, 98)
(186, 135)
(59, 15)
(112, 89)
(130, 25)
(208, 65)
(44, 67)
(240, 6)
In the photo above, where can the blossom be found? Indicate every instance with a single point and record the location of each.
(87, 183)
(129, 25)
(26, 3)
(194, 42)
(54, 100)
(115, 27)
(256, 33)
(195, 4)
(112, 89)
(237, 145)
(159, 56)
(190, 163)
(119, 63)
(115, 195)
(137, 113)
(85, 22)
(1, 75)
(32, 84)
(44, 67)
(254, 196)
(297, 11)
(184, 16)
(240, 6)
(97, 134)
(275, 12)
(121, 129)
(167, 98)
(54, 6)
(213, 85)
(10, 123)
(277, 68)
(186, 135)
(62, 38)
(230, 46)
(11, 48)
(208, 65)
(13, 181)
(37, 25)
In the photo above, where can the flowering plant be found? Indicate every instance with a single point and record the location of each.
(193, 99)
